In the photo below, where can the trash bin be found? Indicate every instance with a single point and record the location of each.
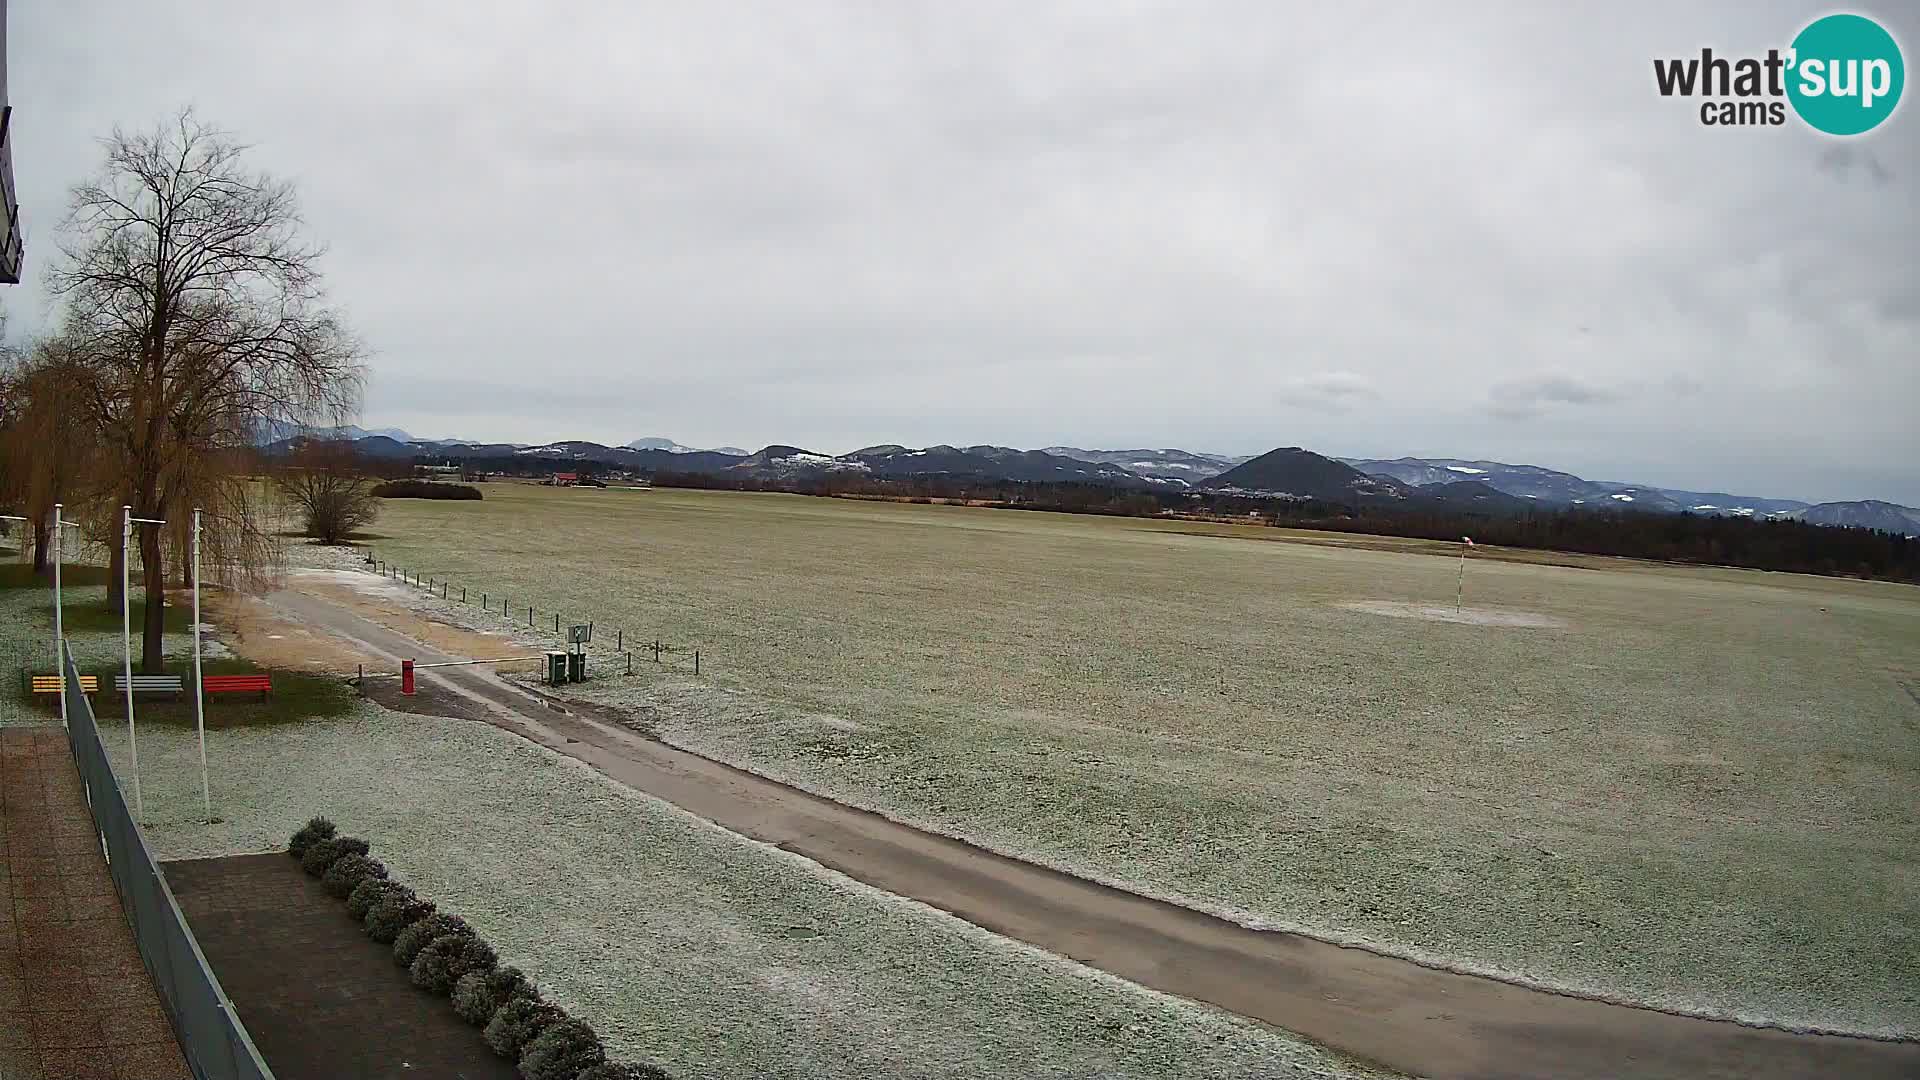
(556, 667)
(577, 666)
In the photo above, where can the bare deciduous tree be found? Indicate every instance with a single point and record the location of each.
(196, 304)
(334, 494)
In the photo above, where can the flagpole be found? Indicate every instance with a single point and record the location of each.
(199, 704)
(59, 631)
(126, 646)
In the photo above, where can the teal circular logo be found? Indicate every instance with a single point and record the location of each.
(1846, 74)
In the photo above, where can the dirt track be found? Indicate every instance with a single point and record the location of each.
(1398, 1014)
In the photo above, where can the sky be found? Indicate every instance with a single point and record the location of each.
(1370, 230)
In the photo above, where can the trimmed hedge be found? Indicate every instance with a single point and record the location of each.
(414, 938)
(561, 1051)
(369, 892)
(348, 871)
(321, 854)
(446, 958)
(445, 955)
(393, 913)
(518, 1023)
(314, 831)
(478, 993)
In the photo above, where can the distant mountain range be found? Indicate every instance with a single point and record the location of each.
(277, 430)
(671, 447)
(1156, 464)
(1288, 472)
(1552, 486)
(1293, 473)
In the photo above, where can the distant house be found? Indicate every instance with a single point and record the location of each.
(438, 472)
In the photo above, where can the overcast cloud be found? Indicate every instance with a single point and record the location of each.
(1415, 229)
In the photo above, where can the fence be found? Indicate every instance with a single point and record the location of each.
(661, 653)
(216, 1044)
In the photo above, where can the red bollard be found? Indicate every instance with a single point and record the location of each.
(406, 677)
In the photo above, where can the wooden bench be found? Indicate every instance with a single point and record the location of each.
(237, 684)
(51, 684)
(149, 684)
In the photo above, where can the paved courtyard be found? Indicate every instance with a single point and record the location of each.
(76, 1003)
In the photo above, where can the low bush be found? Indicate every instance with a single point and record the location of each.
(446, 958)
(622, 1070)
(348, 871)
(408, 943)
(561, 1051)
(424, 489)
(478, 993)
(369, 892)
(322, 853)
(314, 831)
(517, 1022)
(393, 913)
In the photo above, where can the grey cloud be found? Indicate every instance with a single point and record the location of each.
(1330, 390)
(1146, 223)
(1526, 397)
(1845, 161)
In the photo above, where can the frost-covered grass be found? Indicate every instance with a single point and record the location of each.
(680, 942)
(1690, 788)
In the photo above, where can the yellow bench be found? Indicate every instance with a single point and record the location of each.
(52, 684)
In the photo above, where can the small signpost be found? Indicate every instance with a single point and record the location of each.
(577, 639)
(1460, 584)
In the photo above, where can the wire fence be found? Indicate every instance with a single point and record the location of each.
(630, 648)
(216, 1044)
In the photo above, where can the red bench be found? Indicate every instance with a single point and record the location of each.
(237, 684)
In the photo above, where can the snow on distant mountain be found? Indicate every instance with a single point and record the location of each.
(1167, 464)
(1864, 514)
(1525, 481)
(655, 442)
(1554, 487)
(280, 430)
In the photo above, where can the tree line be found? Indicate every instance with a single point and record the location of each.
(1780, 545)
(190, 314)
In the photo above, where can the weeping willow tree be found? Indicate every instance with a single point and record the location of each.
(49, 445)
(195, 307)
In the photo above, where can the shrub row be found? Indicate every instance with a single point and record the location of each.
(423, 489)
(444, 955)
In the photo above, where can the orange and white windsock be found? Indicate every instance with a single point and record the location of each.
(1468, 539)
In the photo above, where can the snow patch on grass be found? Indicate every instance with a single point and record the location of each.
(1466, 615)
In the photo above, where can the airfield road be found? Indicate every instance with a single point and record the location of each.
(1392, 1012)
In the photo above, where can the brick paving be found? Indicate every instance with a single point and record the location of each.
(76, 1002)
(257, 917)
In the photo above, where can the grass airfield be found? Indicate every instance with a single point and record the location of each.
(1690, 788)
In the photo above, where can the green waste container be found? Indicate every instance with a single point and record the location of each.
(577, 666)
(556, 667)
